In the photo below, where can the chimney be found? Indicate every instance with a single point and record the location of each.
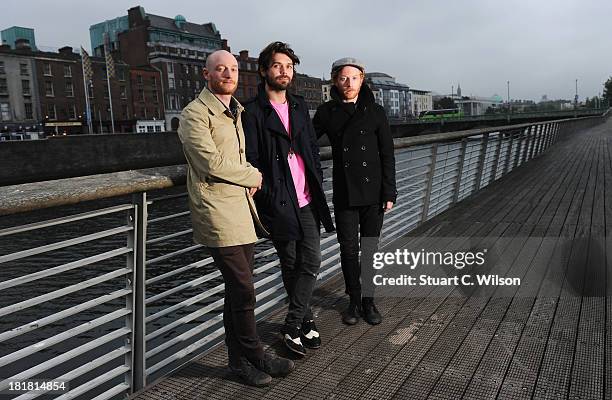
(224, 45)
(65, 51)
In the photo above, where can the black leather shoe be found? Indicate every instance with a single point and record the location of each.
(249, 374)
(275, 366)
(351, 315)
(370, 313)
(310, 335)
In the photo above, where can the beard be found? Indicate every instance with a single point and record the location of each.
(349, 94)
(276, 84)
(225, 87)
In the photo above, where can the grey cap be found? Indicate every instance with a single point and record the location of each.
(348, 61)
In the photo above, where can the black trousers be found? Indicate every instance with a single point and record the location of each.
(236, 266)
(300, 262)
(351, 222)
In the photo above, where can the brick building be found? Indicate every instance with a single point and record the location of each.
(248, 76)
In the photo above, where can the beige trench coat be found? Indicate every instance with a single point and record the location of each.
(218, 175)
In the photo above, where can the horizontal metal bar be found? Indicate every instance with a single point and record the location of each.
(63, 268)
(94, 383)
(62, 292)
(60, 337)
(112, 392)
(166, 197)
(64, 220)
(64, 357)
(174, 253)
(195, 265)
(64, 243)
(167, 217)
(39, 323)
(170, 236)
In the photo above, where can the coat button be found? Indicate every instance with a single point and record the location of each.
(242, 150)
(346, 164)
(363, 147)
(366, 179)
(346, 148)
(362, 132)
(365, 164)
(277, 157)
(283, 203)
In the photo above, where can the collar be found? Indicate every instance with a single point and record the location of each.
(262, 98)
(215, 105)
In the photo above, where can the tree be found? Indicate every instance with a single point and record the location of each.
(607, 93)
(444, 103)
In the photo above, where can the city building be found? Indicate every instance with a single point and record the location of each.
(310, 88)
(326, 91)
(421, 100)
(147, 99)
(248, 76)
(19, 99)
(175, 47)
(474, 105)
(11, 35)
(393, 96)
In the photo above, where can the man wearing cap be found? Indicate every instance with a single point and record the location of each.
(281, 143)
(220, 183)
(363, 179)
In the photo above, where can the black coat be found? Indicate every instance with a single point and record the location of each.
(362, 150)
(267, 148)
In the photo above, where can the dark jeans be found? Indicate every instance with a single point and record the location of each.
(350, 222)
(300, 262)
(236, 266)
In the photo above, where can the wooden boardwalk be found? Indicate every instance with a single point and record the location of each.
(545, 339)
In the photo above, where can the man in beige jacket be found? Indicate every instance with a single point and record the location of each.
(220, 184)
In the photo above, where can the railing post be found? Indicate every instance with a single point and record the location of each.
(526, 145)
(460, 170)
(508, 152)
(432, 171)
(535, 130)
(538, 146)
(481, 158)
(138, 292)
(496, 157)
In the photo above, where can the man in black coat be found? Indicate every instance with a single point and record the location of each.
(281, 143)
(363, 179)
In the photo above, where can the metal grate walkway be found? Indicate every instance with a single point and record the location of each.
(545, 339)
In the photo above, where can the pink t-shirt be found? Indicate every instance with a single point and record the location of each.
(296, 164)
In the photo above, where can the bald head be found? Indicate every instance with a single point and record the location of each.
(219, 56)
(221, 72)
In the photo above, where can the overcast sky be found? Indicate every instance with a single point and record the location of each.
(541, 47)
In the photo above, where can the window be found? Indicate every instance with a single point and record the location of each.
(139, 79)
(149, 129)
(196, 69)
(142, 129)
(23, 69)
(90, 90)
(124, 108)
(171, 83)
(155, 96)
(72, 112)
(158, 128)
(2, 67)
(51, 111)
(153, 81)
(197, 83)
(5, 112)
(67, 71)
(29, 113)
(188, 84)
(141, 96)
(3, 86)
(122, 92)
(69, 89)
(47, 69)
(121, 74)
(49, 88)
(25, 87)
(170, 67)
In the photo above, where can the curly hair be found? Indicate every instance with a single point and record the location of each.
(265, 57)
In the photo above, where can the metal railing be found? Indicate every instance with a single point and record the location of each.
(154, 299)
